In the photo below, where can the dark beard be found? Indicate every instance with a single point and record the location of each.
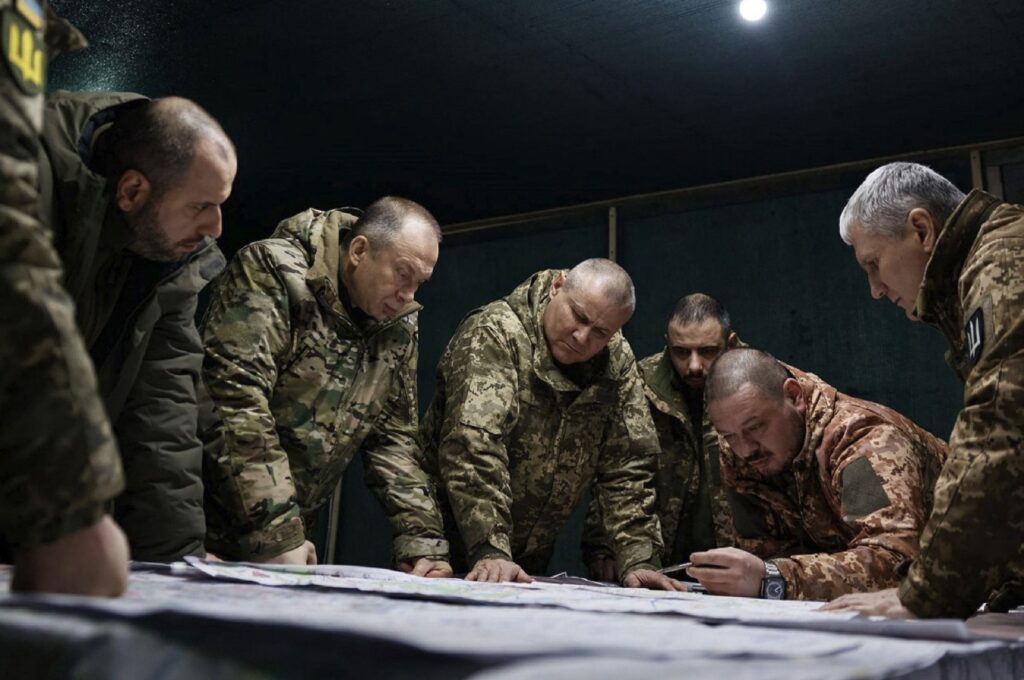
(150, 242)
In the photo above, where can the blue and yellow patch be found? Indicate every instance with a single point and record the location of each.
(24, 53)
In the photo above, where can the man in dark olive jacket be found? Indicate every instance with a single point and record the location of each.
(133, 190)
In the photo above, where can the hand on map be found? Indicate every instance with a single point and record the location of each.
(304, 554)
(428, 567)
(880, 603)
(728, 571)
(495, 570)
(603, 569)
(648, 578)
(90, 561)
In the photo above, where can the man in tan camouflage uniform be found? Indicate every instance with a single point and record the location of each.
(833, 491)
(311, 346)
(60, 462)
(538, 397)
(957, 263)
(692, 506)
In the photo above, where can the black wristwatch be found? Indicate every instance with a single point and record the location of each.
(773, 586)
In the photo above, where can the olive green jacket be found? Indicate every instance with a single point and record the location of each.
(299, 383)
(137, 319)
(513, 443)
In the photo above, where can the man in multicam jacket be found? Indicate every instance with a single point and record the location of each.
(957, 263)
(538, 397)
(311, 346)
(833, 491)
(692, 505)
(60, 464)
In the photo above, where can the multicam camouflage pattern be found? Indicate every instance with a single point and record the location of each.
(514, 442)
(684, 461)
(972, 549)
(298, 386)
(849, 509)
(60, 464)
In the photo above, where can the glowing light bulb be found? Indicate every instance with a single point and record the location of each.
(753, 10)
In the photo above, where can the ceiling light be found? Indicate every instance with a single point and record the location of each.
(753, 10)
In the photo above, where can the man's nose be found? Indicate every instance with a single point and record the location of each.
(581, 334)
(878, 289)
(213, 226)
(694, 364)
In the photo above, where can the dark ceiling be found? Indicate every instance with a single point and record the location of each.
(479, 108)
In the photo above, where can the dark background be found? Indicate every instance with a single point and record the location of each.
(485, 108)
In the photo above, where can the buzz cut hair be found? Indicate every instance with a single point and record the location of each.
(158, 138)
(615, 283)
(384, 219)
(742, 366)
(884, 199)
(697, 308)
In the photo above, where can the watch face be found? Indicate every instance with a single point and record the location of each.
(775, 589)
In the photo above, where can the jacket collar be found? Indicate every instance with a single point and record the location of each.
(936, 298)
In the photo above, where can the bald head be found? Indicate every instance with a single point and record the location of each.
(744, 366)
(384, 220)
(159, 139)
(604, 276)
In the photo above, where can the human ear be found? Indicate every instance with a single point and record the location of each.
(132, 192)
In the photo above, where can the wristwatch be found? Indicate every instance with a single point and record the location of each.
(773, 586)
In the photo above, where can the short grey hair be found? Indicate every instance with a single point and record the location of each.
(742, 366)
(883, 200)
(613, 279)
(384, 219)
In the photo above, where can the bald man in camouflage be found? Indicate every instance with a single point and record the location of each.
(538, 397)
(829, 493)
(311, 342)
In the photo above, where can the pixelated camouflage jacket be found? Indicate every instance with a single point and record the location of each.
(682, 461)
(849, 509)
(137, 318)
(60, 462)
(298, 386)
(514, 443)
(972, 548)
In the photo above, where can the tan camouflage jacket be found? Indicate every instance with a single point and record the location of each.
(60, 465)
(514, 443)
(972, 549)
(298, 386)
(849, 509)
(682, 462)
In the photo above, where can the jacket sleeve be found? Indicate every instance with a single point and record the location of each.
(883, 487)
(479, 410)
(395, 475)
(758, 528)
(624, 488)
(595, 545)
(161, 509)
(972, 544)
(249, 484)
(58, 462)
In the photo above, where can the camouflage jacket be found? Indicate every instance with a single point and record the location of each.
(60, 463)
(972, 549)
(298, 386)
(684, 462)
(137, 318)
(848, 510)
(514, 443)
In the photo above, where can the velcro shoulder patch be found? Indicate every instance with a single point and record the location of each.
(863, 491)
(974, 335)
(23, 51)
